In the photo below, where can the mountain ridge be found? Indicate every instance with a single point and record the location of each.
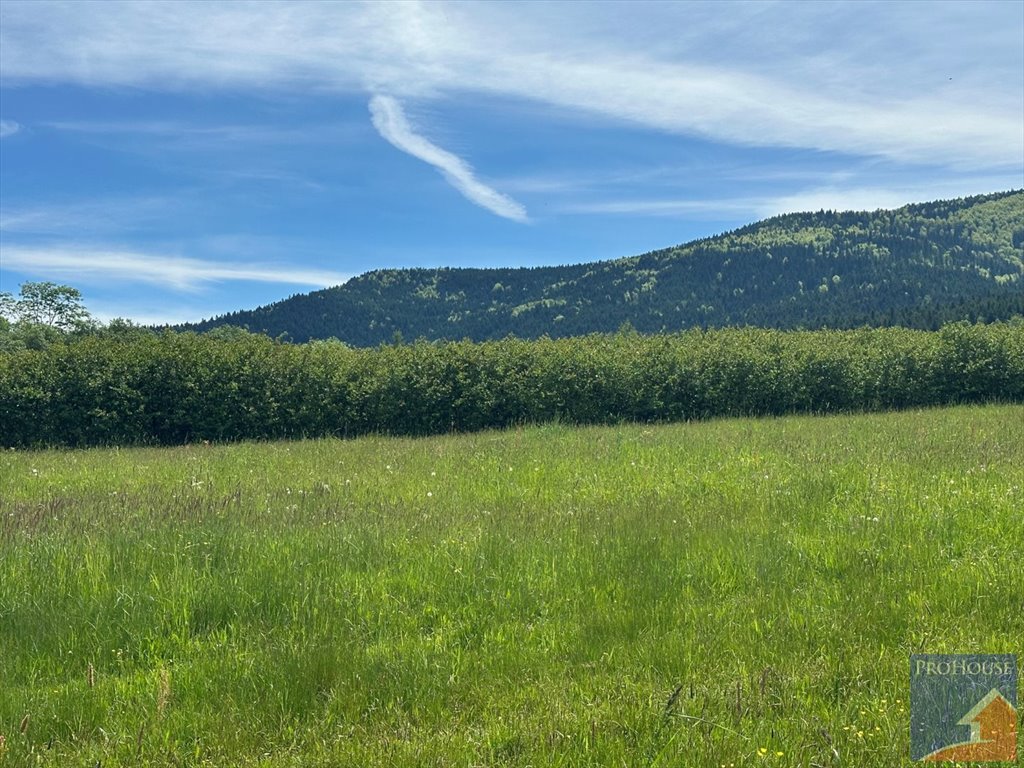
(919, 265)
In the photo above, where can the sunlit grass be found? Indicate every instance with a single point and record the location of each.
(738, 592)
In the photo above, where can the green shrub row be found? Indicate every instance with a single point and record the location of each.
(174, 388)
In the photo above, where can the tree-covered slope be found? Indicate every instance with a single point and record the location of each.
(919, 266)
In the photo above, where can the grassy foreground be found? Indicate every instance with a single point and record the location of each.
(736, 593)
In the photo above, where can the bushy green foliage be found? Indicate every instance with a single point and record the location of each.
(171, 388)
(919, 266)
(40, 315)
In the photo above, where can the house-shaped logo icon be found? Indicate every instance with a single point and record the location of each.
(993, 723)
(963, 708)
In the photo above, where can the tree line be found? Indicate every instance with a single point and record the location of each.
(128, 386)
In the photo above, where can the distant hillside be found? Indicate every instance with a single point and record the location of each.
(917, 266)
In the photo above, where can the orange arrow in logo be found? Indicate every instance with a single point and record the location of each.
(993, 722)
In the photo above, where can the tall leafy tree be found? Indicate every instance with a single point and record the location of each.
(49, 304)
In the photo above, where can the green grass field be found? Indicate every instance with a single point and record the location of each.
(738, 593)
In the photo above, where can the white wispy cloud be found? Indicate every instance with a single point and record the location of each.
(836, 197)
(87, 216)
(673, 207)
(166, 312)
(191, 134)
(877, 79)
(176, 272)
(8, 128)
(390, 121)
(871, 198)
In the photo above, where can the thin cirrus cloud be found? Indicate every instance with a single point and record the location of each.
(188, 135)
(876, 80)
(165, 313)
(88, 216)
(390, 121)
(177, 273)
(831, 196)
(8, 128)
(663, 207)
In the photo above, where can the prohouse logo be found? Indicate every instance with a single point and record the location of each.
(963, 708)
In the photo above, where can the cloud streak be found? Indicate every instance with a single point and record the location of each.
(89, 216)
(835, 197)
(390, 121)
(664, 207)
(8, 128)
(191, 134)
(178, 273)
(166, 312)
(871, 79)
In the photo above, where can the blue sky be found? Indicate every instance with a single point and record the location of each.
(179, 160)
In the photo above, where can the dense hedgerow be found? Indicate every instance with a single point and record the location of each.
(178, 387)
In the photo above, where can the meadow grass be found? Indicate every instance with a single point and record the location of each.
(737, 592)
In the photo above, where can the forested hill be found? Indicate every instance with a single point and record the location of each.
(917, 266)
